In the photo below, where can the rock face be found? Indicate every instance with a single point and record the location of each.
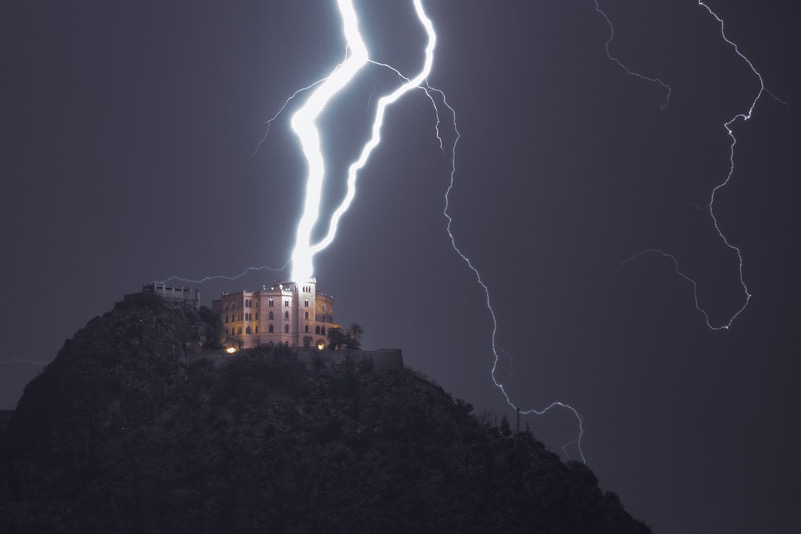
(134, 428)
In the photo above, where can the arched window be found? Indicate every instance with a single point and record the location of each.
(286, 328)
(270, 329)
(248, 330)
(286, 315)
(270, 317)
(306, 329)
(306, 341)
(317, 329)
(322, 330)
(307, 316)
(239, 331)
(257, 329)
(270, 302)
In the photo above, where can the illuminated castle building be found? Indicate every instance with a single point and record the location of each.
(283, 313)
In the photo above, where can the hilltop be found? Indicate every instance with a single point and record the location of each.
(135, 427)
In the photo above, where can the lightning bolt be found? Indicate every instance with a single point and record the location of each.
(728, 126)
(305, 127)
(491, 310)
(357, 57)
(664, 104)
(223, 276)
(303, 122)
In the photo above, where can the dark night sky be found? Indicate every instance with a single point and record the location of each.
(126, 153)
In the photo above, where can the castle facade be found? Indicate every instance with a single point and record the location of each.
(284, 313)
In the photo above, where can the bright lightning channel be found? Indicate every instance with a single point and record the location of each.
(305, 127)
(303, 122)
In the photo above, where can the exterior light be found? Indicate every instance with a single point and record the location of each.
(230, 350)
(320, 346)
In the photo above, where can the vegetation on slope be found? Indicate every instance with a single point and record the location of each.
(129, 430)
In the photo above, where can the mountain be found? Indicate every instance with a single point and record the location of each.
(134, 427)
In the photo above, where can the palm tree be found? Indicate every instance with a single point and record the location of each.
(354, 335)
(355, 331)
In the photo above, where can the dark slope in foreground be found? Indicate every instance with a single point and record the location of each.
(129, 431)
